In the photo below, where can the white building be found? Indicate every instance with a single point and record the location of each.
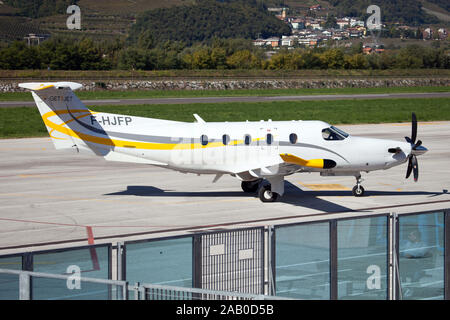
(288, 41)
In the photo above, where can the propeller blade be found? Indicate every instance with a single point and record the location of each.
(410, 167)
(418, 144)
(414, 128)
(415, 166)
(408, 140)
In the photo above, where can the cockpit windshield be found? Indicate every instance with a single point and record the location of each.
(333, 133)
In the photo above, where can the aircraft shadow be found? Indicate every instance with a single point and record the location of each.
(293, 195)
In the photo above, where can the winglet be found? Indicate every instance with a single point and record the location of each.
(314, 163)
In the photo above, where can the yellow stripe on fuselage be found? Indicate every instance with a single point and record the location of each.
(124, 143)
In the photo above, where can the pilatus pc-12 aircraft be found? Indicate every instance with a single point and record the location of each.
(254, 152)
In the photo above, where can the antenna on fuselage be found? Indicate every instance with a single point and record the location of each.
(198, 118)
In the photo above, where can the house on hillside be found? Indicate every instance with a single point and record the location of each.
(259, 42)
(316, 26)
(427, 34)
(342, 23)
(373, 48)
(356, 23)
(443, 33)
(316, 7)
(36, 39)
(298, 24)
(288, 41)
(274, 42)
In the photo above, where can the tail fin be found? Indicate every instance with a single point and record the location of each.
(61, 111)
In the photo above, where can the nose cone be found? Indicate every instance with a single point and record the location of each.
(417, 151)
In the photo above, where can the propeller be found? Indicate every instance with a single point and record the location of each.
(416, 149)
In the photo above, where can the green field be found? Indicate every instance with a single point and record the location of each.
(26, 121)
(139, 94)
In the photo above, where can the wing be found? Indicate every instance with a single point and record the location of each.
(287, 165)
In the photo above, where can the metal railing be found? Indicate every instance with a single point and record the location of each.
(160, 292)
(25, 283)
(121, 290)
(397, 277)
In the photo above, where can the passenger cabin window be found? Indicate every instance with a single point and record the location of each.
(269, 138)
(247, 139)
(293, 138)
(333, 133)
(225, 139)
(204, 139)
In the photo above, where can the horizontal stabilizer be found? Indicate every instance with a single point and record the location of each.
(314, 163)
(35, 86)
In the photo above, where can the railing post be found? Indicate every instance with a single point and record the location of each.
(271, 261)
(447, 254)
(119, 261)
(136, 290)
(333, 260)
(24, 286)
(396, 285)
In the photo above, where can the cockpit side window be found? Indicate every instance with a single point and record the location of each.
(342, 133)
(333, 134)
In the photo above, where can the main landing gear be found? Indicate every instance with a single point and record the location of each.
(358, 190)
(250, 186)
(267, 192)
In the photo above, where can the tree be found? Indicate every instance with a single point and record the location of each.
(145, 40)
(243, 59)
(356, 61)
(136, 59)
(332, 59)
(331, 22)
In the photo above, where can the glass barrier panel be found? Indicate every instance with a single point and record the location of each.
(90, 262)
(302, 262)
(9, 283)
(421, 256)
(165, 262)
(71, 289)
(362, 258)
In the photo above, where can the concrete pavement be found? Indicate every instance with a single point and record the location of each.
(50, 198)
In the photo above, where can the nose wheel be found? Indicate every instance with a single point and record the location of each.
(358, 190)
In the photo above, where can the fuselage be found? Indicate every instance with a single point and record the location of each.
(237, 146)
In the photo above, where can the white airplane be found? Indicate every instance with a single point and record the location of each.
(254, 152)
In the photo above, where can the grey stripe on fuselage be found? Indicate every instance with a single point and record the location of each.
(176, 140)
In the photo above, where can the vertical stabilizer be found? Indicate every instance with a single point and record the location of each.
(64, 115)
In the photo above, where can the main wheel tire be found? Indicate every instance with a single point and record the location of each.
(266, 195)
(250, 186)
(358, 191)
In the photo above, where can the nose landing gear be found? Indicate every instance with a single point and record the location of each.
(358, 190)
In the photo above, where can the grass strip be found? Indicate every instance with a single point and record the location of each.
(26, 121)
(141, 94)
